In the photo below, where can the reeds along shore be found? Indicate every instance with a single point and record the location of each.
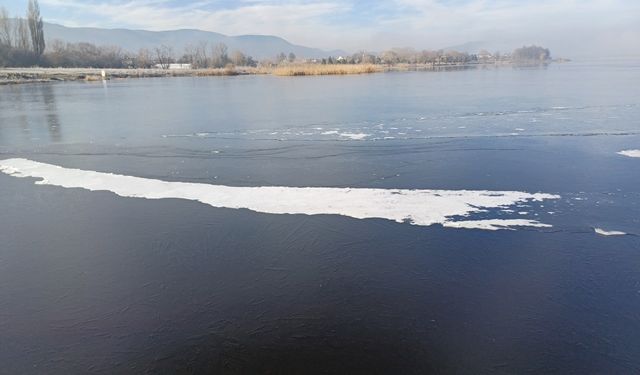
(25, 75)
(316, 69)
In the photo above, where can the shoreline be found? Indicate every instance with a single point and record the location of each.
(16, 76)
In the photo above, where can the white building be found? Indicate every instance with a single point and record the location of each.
(174, 66)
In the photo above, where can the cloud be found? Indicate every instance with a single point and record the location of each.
(374, 25)
(560, 23)
(297, 21)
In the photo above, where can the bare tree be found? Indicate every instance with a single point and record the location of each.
(36, 27)
(292, 57)
(189, 55)
(164, 56)
(196, 55)
(219, 57)
(21, 33)
(5, 27)
(251, 62)
(143, 58)
(201, 55)
(238, 58)
(82, 55)
(110, 56)
(57, 53)
(390, 57)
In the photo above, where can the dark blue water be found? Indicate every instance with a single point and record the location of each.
(95, 283)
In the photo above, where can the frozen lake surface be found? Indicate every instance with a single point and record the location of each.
(245, 224)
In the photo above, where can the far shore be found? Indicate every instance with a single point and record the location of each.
(11, 76)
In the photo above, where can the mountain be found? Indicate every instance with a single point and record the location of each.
(257, 46)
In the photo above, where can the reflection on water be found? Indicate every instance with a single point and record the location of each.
(51, 112)
(23, 113)
(33, 110)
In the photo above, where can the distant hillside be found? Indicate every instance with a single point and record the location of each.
(258, 46)
(477, 46)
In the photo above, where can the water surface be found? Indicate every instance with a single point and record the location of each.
(91, 282)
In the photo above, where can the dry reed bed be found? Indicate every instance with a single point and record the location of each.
(318, 70)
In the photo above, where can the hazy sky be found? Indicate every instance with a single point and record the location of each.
(568, 27)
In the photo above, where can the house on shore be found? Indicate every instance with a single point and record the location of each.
(173, 66)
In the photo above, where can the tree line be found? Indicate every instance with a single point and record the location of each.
(200, 56)
(22, 39)
(441, 57)
(22, 44)
(531, 54)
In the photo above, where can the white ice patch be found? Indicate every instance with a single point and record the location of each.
(495, 224)
(355, 136)
(630, 153)
(603, 232)
(418, 207)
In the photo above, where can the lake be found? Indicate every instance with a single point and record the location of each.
(471, 221)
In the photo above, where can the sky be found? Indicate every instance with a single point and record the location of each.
(570, 28)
